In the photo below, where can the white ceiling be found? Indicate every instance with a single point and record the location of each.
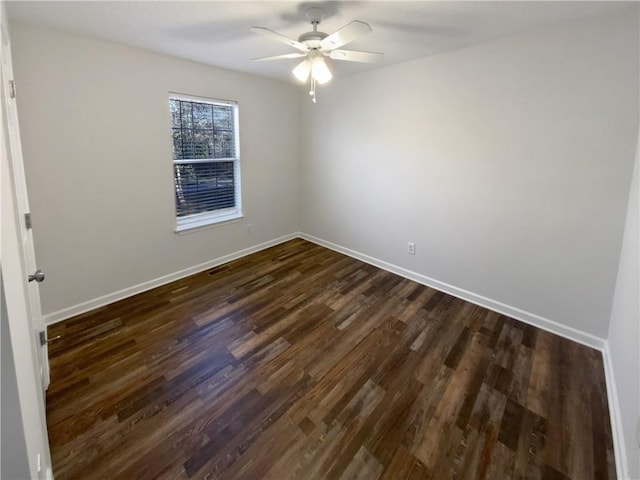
(217, 32)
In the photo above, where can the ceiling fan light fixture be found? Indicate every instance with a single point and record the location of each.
(320, 71)
(301, 72)
(315, 45)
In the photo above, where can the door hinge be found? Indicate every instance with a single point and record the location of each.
(27, 221)
(12, 88)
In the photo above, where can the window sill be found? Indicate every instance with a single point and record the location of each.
(197, 225)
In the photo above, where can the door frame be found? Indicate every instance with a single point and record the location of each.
(21, 328)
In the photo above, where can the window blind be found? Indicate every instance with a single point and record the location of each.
(205, 157)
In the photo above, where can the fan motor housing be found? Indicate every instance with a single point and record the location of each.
(312, 39)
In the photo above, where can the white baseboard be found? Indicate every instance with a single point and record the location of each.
(514, 312)
(499, 307)
(83, 307)
(619, 450)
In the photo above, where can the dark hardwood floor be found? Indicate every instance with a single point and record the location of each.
(301, 363)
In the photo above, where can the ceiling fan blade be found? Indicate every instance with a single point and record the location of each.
(278, 37)
(355, 56)
(279, 57)
(346, 34)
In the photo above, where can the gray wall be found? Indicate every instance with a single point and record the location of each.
(13, 464)
(94, 121)
(507, 163)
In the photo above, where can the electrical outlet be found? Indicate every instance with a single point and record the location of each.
(249, 228)
(411, 248)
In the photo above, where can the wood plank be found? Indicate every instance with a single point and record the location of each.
(298, 362)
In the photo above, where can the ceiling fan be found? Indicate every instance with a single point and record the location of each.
(314, 46)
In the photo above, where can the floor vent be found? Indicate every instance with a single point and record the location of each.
(219, 269)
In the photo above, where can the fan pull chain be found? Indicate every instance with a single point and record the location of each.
(312, 92)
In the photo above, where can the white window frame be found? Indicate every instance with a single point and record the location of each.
(199, 220)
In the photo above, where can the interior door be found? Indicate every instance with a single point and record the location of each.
(22, 308)
(22, 206)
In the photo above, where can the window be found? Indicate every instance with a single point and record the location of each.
(206, 161)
